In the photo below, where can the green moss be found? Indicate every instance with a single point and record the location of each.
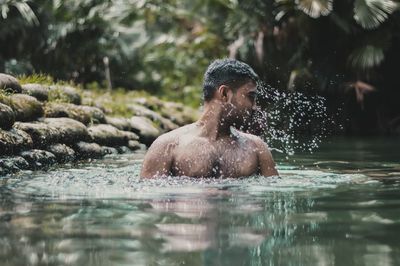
(36, 79)
(115, 102)
(59, 96)
(5, 97)
(43, 79)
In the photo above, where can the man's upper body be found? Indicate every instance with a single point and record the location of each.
(212, 146)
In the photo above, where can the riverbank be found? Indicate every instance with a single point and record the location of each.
(47, 123)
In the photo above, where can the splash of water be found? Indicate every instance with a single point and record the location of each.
(291, 121)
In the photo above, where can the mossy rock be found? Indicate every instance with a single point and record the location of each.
(140, 110)
(179, 114)
(145, 128)
(62, 152)
(110, 136)
(164, 123)
(66, 110)
(152, 103)
(9, 83)
(13, 164)
(96, 115)
(67, 94)
(85, 150)
(7, 116)
(26, 108)
(119, 122)
(53, 130)
(39, 159)
(70, 130)
(39, 91)
(81, 113)
(134, 145)
(123, 149)
(14, 140)
(105, 150)
(42, 134)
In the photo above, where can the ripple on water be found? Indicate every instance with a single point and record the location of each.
(121, 180)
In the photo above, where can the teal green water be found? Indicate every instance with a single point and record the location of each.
(337, 206)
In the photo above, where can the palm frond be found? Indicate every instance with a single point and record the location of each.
(315, 8)
(372, 13)
(26, 12)
(23, 8)
(366, 57)
(283, 8)
(4, 8)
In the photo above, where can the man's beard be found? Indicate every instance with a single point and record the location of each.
(241, 120)
(254, 123)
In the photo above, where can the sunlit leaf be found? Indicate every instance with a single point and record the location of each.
(315, 8)
(372, 13)
(366, 57)
(23, 8)
(283, 8)
(4, 10)
(26, 12)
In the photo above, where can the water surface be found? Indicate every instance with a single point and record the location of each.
(337, 206)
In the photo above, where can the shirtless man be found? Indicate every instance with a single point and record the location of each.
(212, 147)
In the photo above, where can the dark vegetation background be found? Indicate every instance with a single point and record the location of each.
(345, 50)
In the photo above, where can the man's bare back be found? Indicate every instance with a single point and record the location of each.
(211, 147)
(185, 152)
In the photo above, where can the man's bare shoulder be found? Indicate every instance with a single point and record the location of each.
(256, 140)
(172, 137)
(266, 162)
(158, 159)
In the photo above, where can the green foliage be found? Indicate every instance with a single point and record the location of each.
(58, 95)
(315, 8)
(36, 78)
(5, 97)
(370, 14)
(23, 8)
(366, 57)
(165, 46)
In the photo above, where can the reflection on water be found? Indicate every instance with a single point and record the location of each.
(333, 207)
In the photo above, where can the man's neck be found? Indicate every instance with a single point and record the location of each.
(212, 123)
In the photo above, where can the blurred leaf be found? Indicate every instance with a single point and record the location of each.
(283, 8)
(315, 8)
(366, 57)
(23, 8)
(372, 13)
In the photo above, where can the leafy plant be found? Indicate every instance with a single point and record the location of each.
(23, 8)
(370, 14)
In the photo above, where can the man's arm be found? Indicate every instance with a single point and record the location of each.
(265, 160)
(158, 159)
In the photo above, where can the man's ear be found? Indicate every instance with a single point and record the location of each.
(225, 93)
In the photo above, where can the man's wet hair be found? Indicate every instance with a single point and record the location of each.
(229, 72)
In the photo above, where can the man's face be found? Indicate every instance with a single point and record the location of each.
(242, 105)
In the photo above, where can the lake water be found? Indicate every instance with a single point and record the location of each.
(337, 206)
